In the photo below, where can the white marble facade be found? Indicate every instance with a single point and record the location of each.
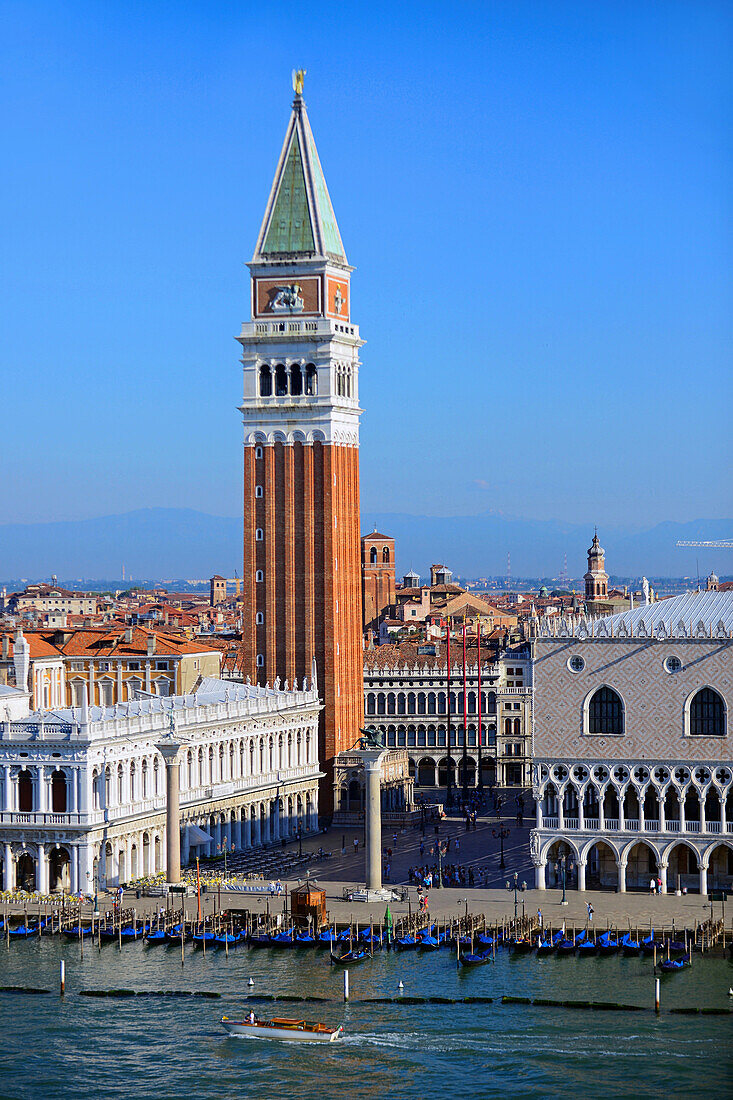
(83, 789)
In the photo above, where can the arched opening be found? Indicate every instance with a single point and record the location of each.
(488, 772)
(467, 769)
(683, 869)
(373, 556)
(426, 772)
(720, 868)
(296, 380)
(122, 866)
(601, 872)
(25, 791)
(146, 854)
(385, 556)
(642, 867)
(443, 769)
(25, 872)
(58, 792)
(605, 712)
(134, 871)
(311, 381)
(265, 381)
(707, 714)
(557, 851)
(157, 855)
(281, 381)
(59, 864)
(355, 796)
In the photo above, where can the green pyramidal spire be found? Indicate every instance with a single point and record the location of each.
(299, 219)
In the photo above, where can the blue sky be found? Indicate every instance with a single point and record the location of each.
(537, 198)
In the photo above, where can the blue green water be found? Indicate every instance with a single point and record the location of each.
(156, 1047)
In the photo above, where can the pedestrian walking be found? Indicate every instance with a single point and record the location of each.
(422, 848)
(589, 907)
(652, 886)
(394, 840)
(659, 885)
(539, 917)
(356, 844)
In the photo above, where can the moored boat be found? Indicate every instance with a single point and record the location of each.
(282, 1028)
(473, 959)
(671, 965)
(630, 946)
(77, 932)
(349, 957)
(607, 945)
(521, 946)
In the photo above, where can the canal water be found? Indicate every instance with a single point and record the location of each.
(175, 1047)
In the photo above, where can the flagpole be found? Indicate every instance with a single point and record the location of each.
(465, 720)
(448, 791)
(480, 782)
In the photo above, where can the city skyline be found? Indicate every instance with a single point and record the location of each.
(552, 165)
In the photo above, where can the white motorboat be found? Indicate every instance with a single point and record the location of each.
(279, 1027)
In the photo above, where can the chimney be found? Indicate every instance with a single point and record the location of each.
(6, 647)
(151, 644)
(128, 636)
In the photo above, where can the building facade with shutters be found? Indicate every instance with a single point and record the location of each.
(633, 768)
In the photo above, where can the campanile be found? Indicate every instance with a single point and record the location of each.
(300, 351)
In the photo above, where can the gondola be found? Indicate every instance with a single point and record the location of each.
(671, 965)
(281, 939)
(349, 957)
(25, 931)
(326, 938)
(472, 959)
(201, 938)
(131, 933)
(587, 948)
(677, 947)
(407, 943)
(630, 946)
(607, 945)
(259, 939)
(649, 943)
(565, 947)
(544, 947)
(304, 939)
(229, 939)
(487, 941)
(77, 932)
(520, 946)
(428, 943)
(157, 935)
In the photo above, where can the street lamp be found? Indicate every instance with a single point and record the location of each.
(501, 833)
(563, 858)
(516, 876)
(300, 842)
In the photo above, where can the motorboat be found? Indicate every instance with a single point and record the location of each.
(299, 1031)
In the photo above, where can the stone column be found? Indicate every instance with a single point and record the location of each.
(8, 789)
(703, 880)
(663, 877)
(44, 802)
(42, 870)
(83, 778)
(373, 824)
(581, 812)
(581, 875)
(276, 819)
(621, 865)
(169, 751)
(185, 847)
(539, 876)
(622, 812)
(74, 867)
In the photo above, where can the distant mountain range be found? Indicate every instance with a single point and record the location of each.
(182, 542)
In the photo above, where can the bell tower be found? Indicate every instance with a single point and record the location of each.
(596, 579)
(300, 410)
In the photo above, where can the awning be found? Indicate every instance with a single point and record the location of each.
(197, 836)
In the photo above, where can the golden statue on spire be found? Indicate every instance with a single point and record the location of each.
(298, 80)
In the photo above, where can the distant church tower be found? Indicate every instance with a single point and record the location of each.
(596, 579)
(302, 569)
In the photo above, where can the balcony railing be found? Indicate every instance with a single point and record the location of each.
(633, 825)
(651, 826)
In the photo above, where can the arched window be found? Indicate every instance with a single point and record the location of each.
(258, 491)
(259, 452)
(120, 785)
(707, 714)
(371, 703)
(296, 380)
(265, 382)
(385, 555)
(58, 792)
(373, 556)
(259, 576)
(133, 782)
(311, 380)
(281, 381)
(259, 534)
(260, 660)
(606, 712)
(25, 791)
(507, 727)
(259, 618)
(517, 726)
